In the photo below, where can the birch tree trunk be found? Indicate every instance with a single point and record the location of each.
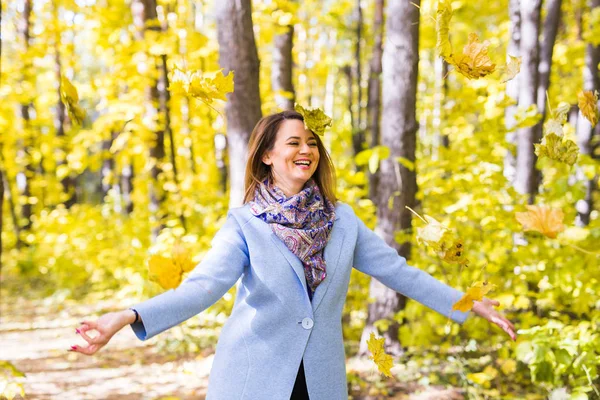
(237, 52)
(527, 176)
(24, 144)
(281, 72)
(374, 91)
(512, 91)
(398, 185)
(585, 132)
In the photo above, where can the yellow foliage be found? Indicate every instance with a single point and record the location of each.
(70, 98)
(474, 61)
(588, 105)
(546, 220)
(557, 148)
(314, 119)
(383, 361)
(474, 293)
(164, 271)
(203, 87)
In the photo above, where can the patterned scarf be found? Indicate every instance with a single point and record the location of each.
(302, 221)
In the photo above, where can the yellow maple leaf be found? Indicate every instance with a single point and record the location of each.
(383, 361)
(511, 69)
(163, 271)
(557, 148)
(474, 62)
(588, 105)
(474, 293)
(182, 258)
(444, 15)
(546, 220)
(70, 98)
(441, 239)
(204, 87)
(314, 119)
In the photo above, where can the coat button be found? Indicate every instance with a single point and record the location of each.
(307, 323)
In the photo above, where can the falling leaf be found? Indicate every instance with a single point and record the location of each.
(444, 14)
(163, 271)
(203, 87)
(70, 98)
(474, 63)
(474, 293)
(557, 148)
(182, 258)
(441, 239)
(548, 221)
(315, 119)
(588, 105)
(512, 68)
(383, 361)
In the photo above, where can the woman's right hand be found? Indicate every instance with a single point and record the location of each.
(106, 326)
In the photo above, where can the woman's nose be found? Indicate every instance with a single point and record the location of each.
(305, 148)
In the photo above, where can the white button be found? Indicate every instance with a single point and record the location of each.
(307, 323)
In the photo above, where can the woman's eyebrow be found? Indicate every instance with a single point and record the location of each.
(298, 138)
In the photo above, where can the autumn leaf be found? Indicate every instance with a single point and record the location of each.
(444, 14)
(315, 119)
(557, 148)
(203, 87)
(182, 258)
(474, 293)
(588, 105)
(441, 239)
(511, 69)
(474, 63)
(70, 98)
(164, 271)
(383, 361)
(548, 221)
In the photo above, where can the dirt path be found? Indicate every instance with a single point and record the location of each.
(35, 336)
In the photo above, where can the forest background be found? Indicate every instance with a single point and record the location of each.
(118, 144)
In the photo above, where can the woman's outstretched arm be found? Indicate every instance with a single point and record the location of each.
(223, 264)
(374, 257)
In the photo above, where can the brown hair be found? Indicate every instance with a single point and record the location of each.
(262, 140)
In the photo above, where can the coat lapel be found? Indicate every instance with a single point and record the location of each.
(331, 254)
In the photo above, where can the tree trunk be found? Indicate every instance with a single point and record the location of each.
(358, 130)
(398, 132)
(585, 131)
(374, 91)
(24, 145)
(527, 176)
(281, 73)
(441, 88)
(144, 11)
(68, 183)
(512, 91)
(237, 52)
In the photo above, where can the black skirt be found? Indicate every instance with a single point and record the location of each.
(300, 391)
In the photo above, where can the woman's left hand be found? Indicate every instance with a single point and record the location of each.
(485, 308)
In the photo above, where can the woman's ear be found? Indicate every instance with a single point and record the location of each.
(266, 160)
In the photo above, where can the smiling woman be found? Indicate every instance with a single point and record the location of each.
(294, 246)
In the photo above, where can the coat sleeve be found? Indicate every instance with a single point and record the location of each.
(223, 264)
(374, 257)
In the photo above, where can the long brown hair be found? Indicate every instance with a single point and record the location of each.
(262, 140)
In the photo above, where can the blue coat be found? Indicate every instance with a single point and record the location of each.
(273, 324)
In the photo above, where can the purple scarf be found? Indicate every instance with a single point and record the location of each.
(303, 222)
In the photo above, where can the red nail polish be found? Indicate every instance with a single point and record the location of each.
(77, 330)
(73, 347)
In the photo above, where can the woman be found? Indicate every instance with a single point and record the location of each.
(293, 246)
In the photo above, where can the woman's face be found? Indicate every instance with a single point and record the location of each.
(293, 143)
